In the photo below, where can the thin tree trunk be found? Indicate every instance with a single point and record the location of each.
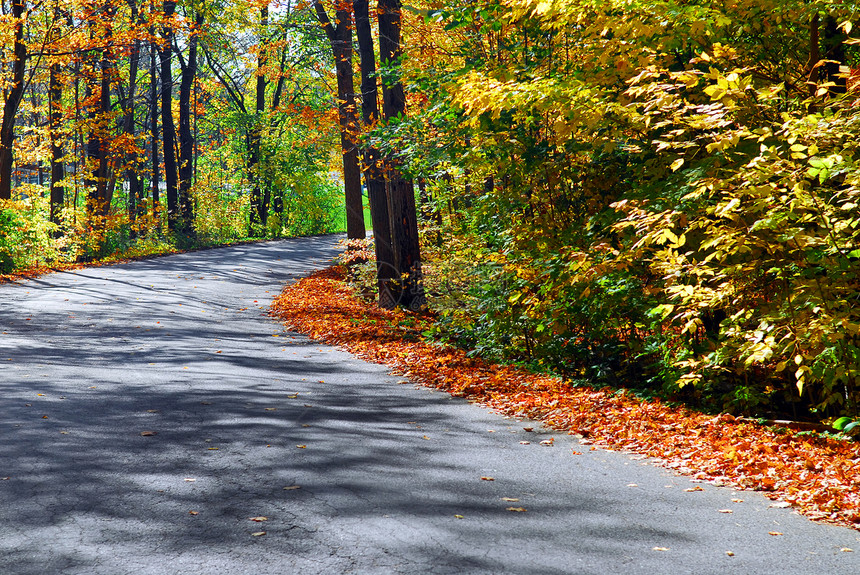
(373, 177)
(154, 136)
(167, 126)
(58, 174)
(11, 100)
(185, 222)
(259, 205)
(131, 173)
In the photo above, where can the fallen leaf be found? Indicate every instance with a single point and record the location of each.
(660, 548)
(774, 533)
(458, 516)
(271, 409)
(528, 428)
(258, 534)
(525, 442)
(487, 478)
(844, 549)
(632, 485)
(291, 487)
(511, 499)
(213, 449)
(425, 437)
(148, 433)
(780, 504)
(726, 511)
(64, 433)
(193, 513)
(189, 479)
(548, 442)
(517, 509)
(730, 553)
(737, 500)
(301, 446)
(258, 518)
(692, 489)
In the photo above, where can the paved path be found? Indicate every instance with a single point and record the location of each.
(389, 475)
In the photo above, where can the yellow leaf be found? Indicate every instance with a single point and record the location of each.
(516, 509)
(258, 518)
(677, 164)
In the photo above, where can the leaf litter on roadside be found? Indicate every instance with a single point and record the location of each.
(818, 475)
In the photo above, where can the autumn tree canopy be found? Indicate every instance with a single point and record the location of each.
(657, 192)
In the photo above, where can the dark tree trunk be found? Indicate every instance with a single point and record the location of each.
(259, 204)
(153, 102)
(340, 38)
(834, 54)
(167, 126)
(55, 96)
(11, 100)
(408, 289)
(185, 221)
(373, 176)
(134, 183)
(100, 69)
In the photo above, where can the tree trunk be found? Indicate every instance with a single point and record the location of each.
(134, 183)
(167, 126)
(408, 289)
(834, 53)
(185, 221)
(259, 204)
(99, 69)
(373, 177)
(55, 97)
(153, 102)
(340, 38)
(11, 100)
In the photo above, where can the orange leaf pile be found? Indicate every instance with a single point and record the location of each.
(820, 476)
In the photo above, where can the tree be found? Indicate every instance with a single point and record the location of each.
(407, 288)
(13, 92)
(168, 128)
(386, 270)
(185, 219)
(340, 37)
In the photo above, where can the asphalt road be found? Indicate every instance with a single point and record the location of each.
(149, 410)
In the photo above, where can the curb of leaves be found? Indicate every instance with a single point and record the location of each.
(820, 476)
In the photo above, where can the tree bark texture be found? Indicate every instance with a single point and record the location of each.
(12, 100)
(185, 219)
(409, 288)
(340, 38)
(374, 179)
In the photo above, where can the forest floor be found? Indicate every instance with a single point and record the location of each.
(818, 475)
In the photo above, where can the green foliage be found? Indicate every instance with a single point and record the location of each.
(671, 206)
(25, 233)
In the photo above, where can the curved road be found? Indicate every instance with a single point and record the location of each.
(149, 410)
